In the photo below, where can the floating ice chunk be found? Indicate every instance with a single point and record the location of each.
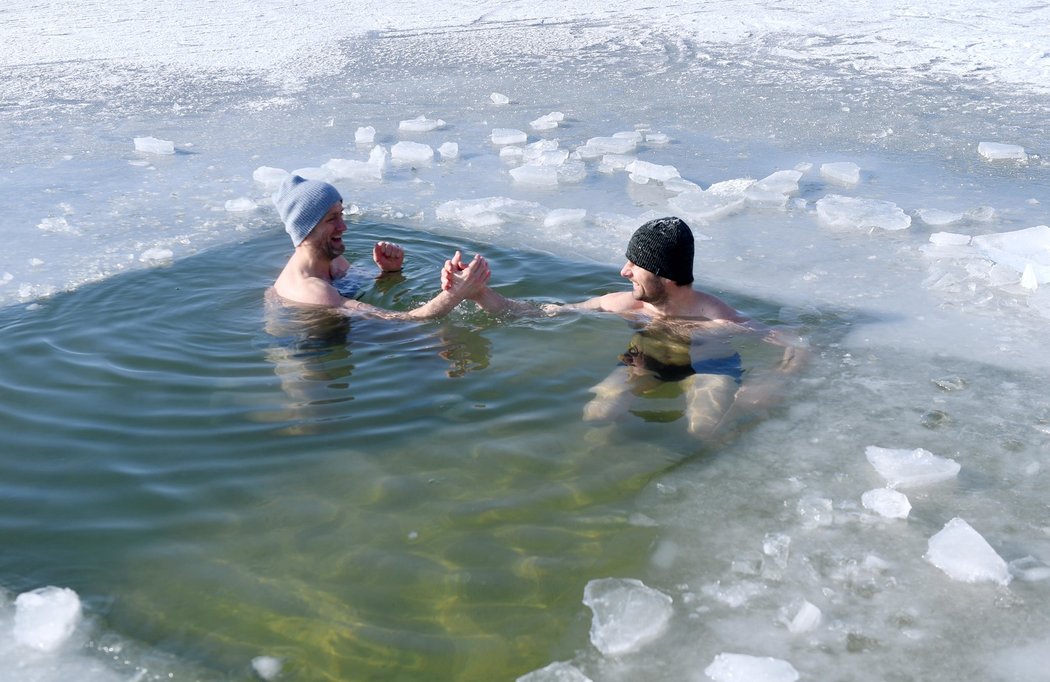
(937, 218)
(837, 211)
(995, 151)
(816, 511)
(269, 177)
(907, 468)
(503, 136)
(844, 173)
(1029, 569)
(736, 594)
(240, 204)
(887, 502)
(627, 614)
(267, 667)
(539, 176)
(1029, 279)
(449, 150)
(555, 672)
(652, 171)
(681, 185)
(743, 668)
(350, 169)
(378, 157)
(45, 618)
(490, 211)
(705, 206)
(572, 170)
(964, 555)
(773, 190)
(657, 138)
(365, 135)
(611, 163)
(499, 99)
(777, 546)
(949, 239)
(1019, 249)
(151, 145)
(560, 217)
(547, 121)
(420, 124)
(554, 157)
(412, 152)
(806, 619)
(783, 182)
(512, 154)
(314, 173)
(598, 146)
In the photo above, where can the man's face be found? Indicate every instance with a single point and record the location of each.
(648, 288)
(328, 235)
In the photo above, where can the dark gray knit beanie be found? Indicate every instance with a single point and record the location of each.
(664, 247)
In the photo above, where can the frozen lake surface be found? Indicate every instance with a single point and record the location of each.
(884, 165)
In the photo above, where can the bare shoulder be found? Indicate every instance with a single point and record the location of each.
(307, 290)
(616, 302)
(714, 308)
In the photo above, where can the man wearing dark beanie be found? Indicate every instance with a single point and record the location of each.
(660, 268)
(686, 338)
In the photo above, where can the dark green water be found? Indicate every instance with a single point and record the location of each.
(363, 499)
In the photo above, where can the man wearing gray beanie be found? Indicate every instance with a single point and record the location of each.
(312, 213)
(685, 336)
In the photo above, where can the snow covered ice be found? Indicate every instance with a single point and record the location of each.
(964, 555)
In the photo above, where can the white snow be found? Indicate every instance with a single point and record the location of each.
(627, 615)
(964, 555)
(728, 667)
(910, 468)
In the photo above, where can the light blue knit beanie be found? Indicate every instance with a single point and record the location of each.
(302, 203)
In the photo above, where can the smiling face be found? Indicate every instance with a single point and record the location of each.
(648, 288)
(328, 235)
